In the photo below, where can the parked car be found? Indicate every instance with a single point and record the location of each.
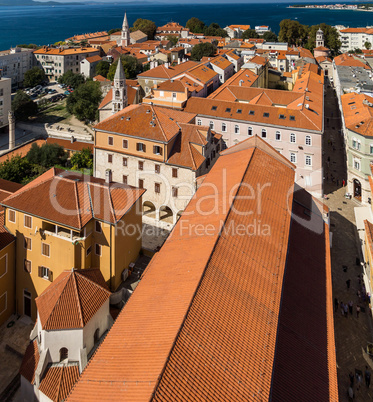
(52, 91)
(66, 93)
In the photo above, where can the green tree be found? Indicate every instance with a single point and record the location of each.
(82, 159)
(331, 37)
(215, 30)
(34, 76)
(16, 169)
(270, 36)
(114, 30)
(195, 25)
(23, 107)
(29, 46)
(102, 68)
(203, 50)
(146, 26)
(292, 32)
(250, 33)
(131, 67)
(172, 39)
(367, 45)
(84, 101)
(47, 155)
(71, 79)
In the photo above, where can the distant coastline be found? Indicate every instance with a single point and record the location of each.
(335, 7)
(23, 3)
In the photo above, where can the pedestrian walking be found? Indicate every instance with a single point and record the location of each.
(343, 182)
(358, 381)
(351, 375)
(350, 304)
(367, 376)
(345, 308)
(336, 304)
(348, 283)
(357, 311)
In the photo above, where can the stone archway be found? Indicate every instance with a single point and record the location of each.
(166, 214)
(148, 209)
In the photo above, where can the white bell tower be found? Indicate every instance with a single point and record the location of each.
(119, 100)
(320, 38)
(126, 39)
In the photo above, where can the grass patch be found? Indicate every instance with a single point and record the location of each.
(54, 114)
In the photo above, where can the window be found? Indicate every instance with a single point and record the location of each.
(308, 140)
(140, 147)
(281, 116)
(12, 216)
(125, 162)
(292, 118)
(125, 179)
(161, 94)
(249, 131)
(308, 160)
(64, 354)
(199, 122)
(357, 164)
(45, 273)
(292, 137)
(228, 110)
(125, 144)
(174, 96)
(265, 114)
(239, 111)
(98, 227)
(45, 249)
(157, 188)
(359, 145)
(141, 165)
(223, 127)
(354, 143)
(278, 136)
(157, 168)
(174, 173)
(110, 158)
(141, 183)
(211, 125)
(89, 250)
(174, 191)
(214, 108)
(98, 249)
(236, 129)
(293, 157)
(264, 133)
(27, 266)
(371, 148)
(27, 221)
(110, 140)
(157, 150)
(251, 112)
(27, 243)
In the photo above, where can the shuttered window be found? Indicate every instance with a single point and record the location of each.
(27, 243)
(45, 249)
(46, 273)
(27, 266)
(28, 221)
(12, 216)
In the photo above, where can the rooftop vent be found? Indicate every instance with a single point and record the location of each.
(307, 106)
(128, 118)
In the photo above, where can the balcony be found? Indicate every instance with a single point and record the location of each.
(49, 229)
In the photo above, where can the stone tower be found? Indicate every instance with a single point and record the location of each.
(319, 38)
(12, 130)
(126, 40)
(119, 100)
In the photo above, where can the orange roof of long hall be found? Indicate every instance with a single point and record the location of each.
(72, 299)
(357, 113)
(73, 199)
(146, 121)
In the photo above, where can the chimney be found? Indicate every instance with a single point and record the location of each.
(178, 60)
(72, 139)
(108, 176)
(12, 130)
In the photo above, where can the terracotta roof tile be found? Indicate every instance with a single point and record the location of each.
(72, 299)
(357, 113)
(21, 151)
(168, 73)
(30, 362)
(348, 60)
(93, 59)
(70, 146)
(65, 51)
(58, 381)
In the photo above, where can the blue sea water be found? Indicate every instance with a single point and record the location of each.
(46, 25)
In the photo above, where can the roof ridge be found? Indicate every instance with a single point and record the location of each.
(78, 298)
(159, 123)
(77, 204)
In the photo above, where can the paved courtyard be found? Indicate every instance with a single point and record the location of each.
(351, 333)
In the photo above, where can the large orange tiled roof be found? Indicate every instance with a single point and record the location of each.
(243, 78)
(135, 121)
(214, 322)
(72, 299)
(65, 51)
(73, 199)
(202, 73)
(357, 113)
(58, 381)
(346, 59)
(87, 36)
(221, 62)
(168, 73)
(30, 362)
(353, 30)
(20, 151)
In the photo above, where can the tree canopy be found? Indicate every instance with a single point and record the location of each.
(47, 155)
(203, 50)
(331, 37)
(33, 77)
(23, 107)
(16, 169)
(146, 26)
(114, 30)
(293, 32)
(214, 30)
(250, 33)
(71, 79)
(102, 68)
(172, 39)
(270, 36)
(195, 25)
(82, 159)
(131, 67)
(84, 101)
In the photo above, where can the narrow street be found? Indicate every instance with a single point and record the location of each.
(351, 333)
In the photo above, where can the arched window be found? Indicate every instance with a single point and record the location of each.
(211, 125)
(199, 122)
(64, 354)
(292, 137)
(249, 131)
(117, 94)
(308, 140)
(278, 136)
(236, 129)
(264, 133)
(223, 127)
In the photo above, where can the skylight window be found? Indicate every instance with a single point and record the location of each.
(265, 114)
(292, 118)
(239, 110)
(281, 116)
(214, 108)
(228, 109)
(251, 112)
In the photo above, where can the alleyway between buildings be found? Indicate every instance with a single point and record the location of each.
(351, 333)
